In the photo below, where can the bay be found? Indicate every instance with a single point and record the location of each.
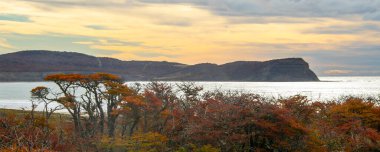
(16, 95)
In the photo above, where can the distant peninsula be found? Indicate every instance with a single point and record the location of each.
(34, 65)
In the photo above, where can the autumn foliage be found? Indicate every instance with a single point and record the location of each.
(107, 115)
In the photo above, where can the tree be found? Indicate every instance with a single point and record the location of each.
(356, 122)
(86, 95)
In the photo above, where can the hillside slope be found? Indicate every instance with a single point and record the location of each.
(34, 65)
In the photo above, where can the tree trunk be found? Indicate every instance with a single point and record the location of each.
(101, 112)
(111, 125)
(133, 126)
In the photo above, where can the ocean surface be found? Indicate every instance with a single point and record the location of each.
(16, 95)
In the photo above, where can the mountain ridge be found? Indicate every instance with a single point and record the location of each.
(33, 65)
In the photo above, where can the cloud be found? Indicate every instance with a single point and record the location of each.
(97, 27)
(180, 23)
(337, 72)
(87, 3)
(349, 29)
(117, 42)
(154, 54)
(268, 20)
(330, 34)
(14, 17)
(123, 46)
(4, 44)
(108, 42)
(85, 42)
(358, 57)
(367, 9)
(52, 42)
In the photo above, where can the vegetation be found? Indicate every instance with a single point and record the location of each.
(104, 114)
(32, 65)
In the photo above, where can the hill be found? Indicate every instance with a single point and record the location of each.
(34, 65)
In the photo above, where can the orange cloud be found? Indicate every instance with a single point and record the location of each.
(337, 72)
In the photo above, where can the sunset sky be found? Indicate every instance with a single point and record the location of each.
(337, 37)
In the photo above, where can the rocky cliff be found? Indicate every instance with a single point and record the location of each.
(34, 65)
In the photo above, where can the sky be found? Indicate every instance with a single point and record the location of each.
(336, 37)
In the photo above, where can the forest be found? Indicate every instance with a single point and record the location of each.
(102, 113)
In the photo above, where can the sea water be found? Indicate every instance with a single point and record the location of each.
(16, 95)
